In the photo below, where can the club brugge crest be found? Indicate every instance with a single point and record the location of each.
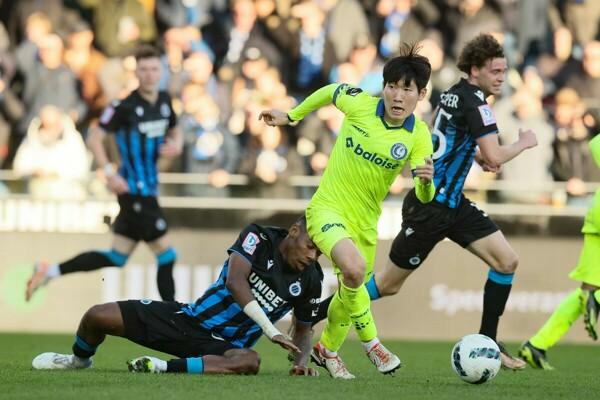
(295, 289)
(398, 151)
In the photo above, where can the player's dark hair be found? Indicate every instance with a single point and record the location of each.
(408, 66)
(301, 222)
(477, 51)
(146, 51)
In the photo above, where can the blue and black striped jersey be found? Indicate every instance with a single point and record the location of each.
(463, 117)
(276, 286)
(140, 128)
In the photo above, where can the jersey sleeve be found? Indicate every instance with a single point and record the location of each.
(423, 146)
(346, 98)
(112, 117)
(306, 308)
(250, 244)
(349, 99)
(480, 119)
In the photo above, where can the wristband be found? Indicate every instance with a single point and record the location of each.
(257, 314)
(108, 170)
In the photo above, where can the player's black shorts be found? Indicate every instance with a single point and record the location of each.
(424, 225)
(160, 325)
(140, 218)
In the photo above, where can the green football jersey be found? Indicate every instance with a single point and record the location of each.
(368, 153)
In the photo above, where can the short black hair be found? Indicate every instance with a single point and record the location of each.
(301, 222)
(477, 51)
(146, 51)
(408, 66)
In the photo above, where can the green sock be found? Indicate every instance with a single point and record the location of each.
(358, 306)
(337, 325)
(560, 321)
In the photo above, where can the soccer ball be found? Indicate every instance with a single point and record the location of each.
(475, 358)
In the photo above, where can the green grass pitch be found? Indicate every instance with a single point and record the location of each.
(426, 374)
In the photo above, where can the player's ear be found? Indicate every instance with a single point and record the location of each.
(294, 231)
(422, 93)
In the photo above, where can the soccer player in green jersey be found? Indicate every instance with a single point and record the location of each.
(583, 300)
(377, 137)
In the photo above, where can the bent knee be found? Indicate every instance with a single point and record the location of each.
(354, 274)
(508, 265)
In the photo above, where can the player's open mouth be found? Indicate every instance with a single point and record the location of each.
(397, 109)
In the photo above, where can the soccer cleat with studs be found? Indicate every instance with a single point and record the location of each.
(535, 357)
(385, 361)
(333, 364)
(145, 364)
(508, 361)
(590, 314)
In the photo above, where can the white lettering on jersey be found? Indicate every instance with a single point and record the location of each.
(265, 296)
(479, 94)
(154, 128)
(487, 116)
(250, 243)
(449, 100)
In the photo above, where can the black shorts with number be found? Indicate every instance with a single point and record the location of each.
(140, 218)
(424, 225)
(160, 325)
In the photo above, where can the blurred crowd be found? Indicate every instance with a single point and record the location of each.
(62, 62)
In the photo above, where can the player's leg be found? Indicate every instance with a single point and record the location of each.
(96, 323)
(588, 272)
(475, 231)
(534, 350)
(117, 256)
(165, 260)
(495, 251)
(155, 234)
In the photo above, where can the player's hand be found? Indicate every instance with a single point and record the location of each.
(285, 343)
(171, 148)
(117, 184)
(219, 178)
(298, 370)
(425, 171)
(527, 138)
(274, 117)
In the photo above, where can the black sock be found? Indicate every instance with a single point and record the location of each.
(495, 296)
(165, 282)
(164, 276)
(322, 312)
(82, 349)
(86, 262)
(177, 365)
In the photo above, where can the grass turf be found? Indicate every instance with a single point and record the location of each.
(426, 373)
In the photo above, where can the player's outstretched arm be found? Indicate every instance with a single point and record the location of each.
(237, 283)
(302, 338)
(317, 99)
(494, 154)
(95, 142)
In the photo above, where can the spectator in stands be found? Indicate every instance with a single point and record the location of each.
(37, 27)
(524, 109)
(471, 18)
(316, 137)
(396, 24)
(208, 146)
(363, 68)
(86, 62)
(180, 13)
(53, 10)
(11, 108)
(572, 162)
(119, 25)
(312, 52)
(444, 72)
(587, 83)
(49, 81)
(241, 33)
(53, 157)
(343, 34)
